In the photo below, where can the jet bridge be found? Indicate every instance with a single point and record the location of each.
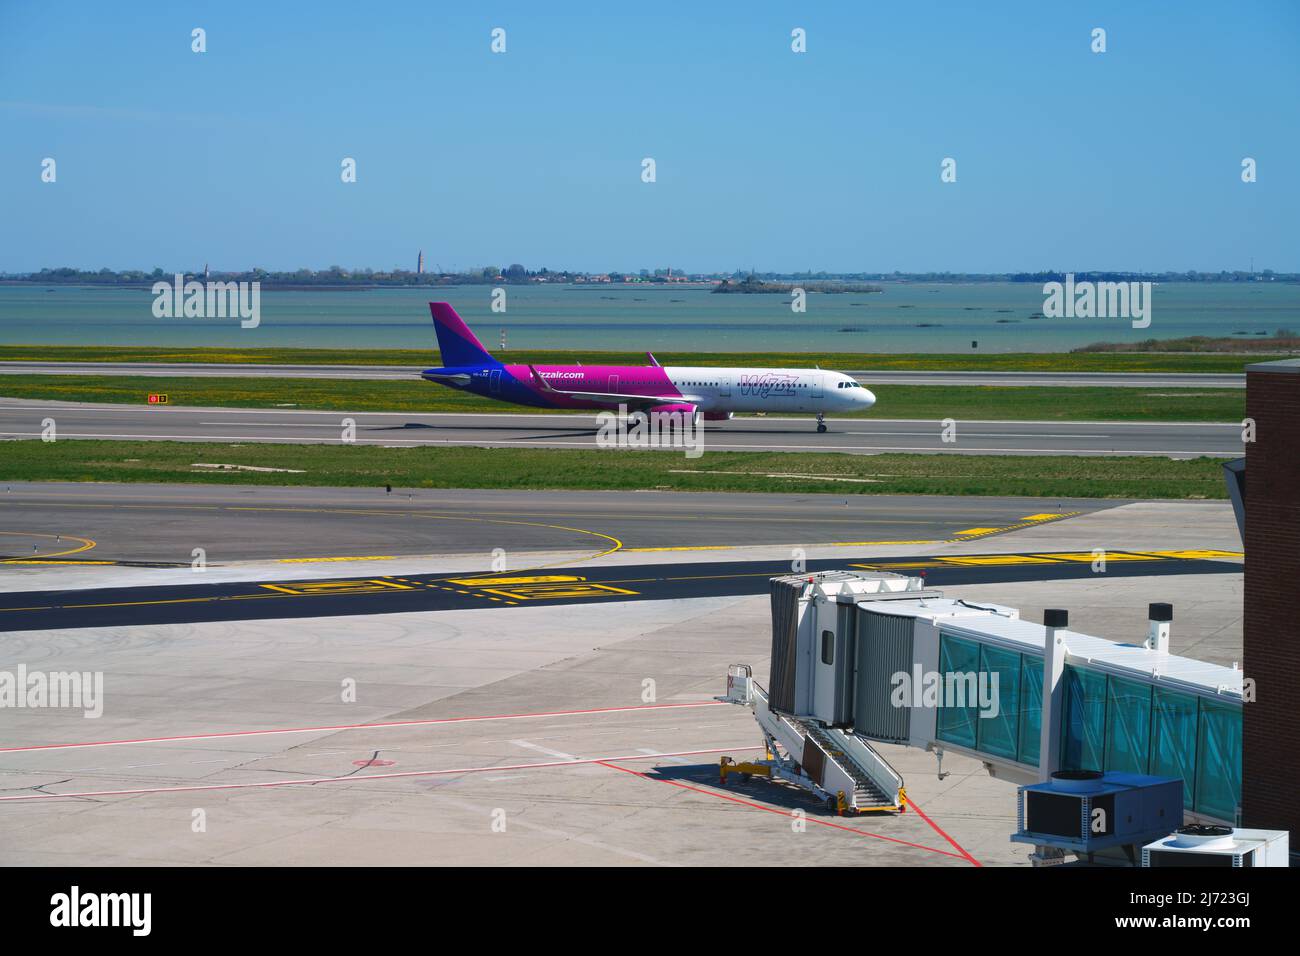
(859, 658)
(806, 718)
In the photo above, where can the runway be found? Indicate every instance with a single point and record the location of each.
(23, 419)
(397, 372)
(162, 524)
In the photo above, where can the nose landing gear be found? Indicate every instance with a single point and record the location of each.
(821, 422)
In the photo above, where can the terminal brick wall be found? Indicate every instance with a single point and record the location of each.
(1271, 655)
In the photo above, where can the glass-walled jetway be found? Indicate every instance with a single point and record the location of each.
(1109, 723)
(900, 665)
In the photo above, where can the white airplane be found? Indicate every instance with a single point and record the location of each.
(714, 394)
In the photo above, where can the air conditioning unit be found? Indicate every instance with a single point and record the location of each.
(1085, 811)
(1201, 845)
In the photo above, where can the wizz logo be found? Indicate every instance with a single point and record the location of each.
(768, 383)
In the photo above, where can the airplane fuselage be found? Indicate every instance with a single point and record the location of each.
(714, 391)
(704, 391)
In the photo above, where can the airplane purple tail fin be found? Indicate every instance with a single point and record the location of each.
(456, 343)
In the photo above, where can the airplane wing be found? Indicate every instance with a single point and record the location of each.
(632, 401)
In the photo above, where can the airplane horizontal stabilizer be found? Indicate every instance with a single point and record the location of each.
(451, 378)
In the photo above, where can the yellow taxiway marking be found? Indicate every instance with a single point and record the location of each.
(545, 592)
(346, 557)
(1029, 521)
(79, 564)
(512, 579)
(996, 559)
(1087, 557)
(193, 600)
(1043, 557)
(336, 587)
(86, 545)
(438, 516)
(819, 544)
(1026, 522)
(1199, 555)
(699, 547)
(539, 587)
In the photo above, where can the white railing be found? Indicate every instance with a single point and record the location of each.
(885, 777)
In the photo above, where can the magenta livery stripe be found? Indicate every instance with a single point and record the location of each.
(626, 379)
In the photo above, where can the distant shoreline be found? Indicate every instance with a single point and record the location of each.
(1092, 359)
(749, 287)
(733, 283)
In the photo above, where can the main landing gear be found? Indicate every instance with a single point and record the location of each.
(821, 422)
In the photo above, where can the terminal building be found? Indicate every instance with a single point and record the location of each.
(1271, 639)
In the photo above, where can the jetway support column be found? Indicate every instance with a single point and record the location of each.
(1049, 743)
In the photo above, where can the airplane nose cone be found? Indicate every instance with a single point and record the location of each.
(868, 397)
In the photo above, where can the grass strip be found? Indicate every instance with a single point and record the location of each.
(559, 469)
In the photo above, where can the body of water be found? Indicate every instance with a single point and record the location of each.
(905, 317)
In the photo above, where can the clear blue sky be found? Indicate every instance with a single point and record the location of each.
(1066, 159)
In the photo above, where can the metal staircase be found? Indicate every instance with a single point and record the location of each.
(866, 794)
(838, 766)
